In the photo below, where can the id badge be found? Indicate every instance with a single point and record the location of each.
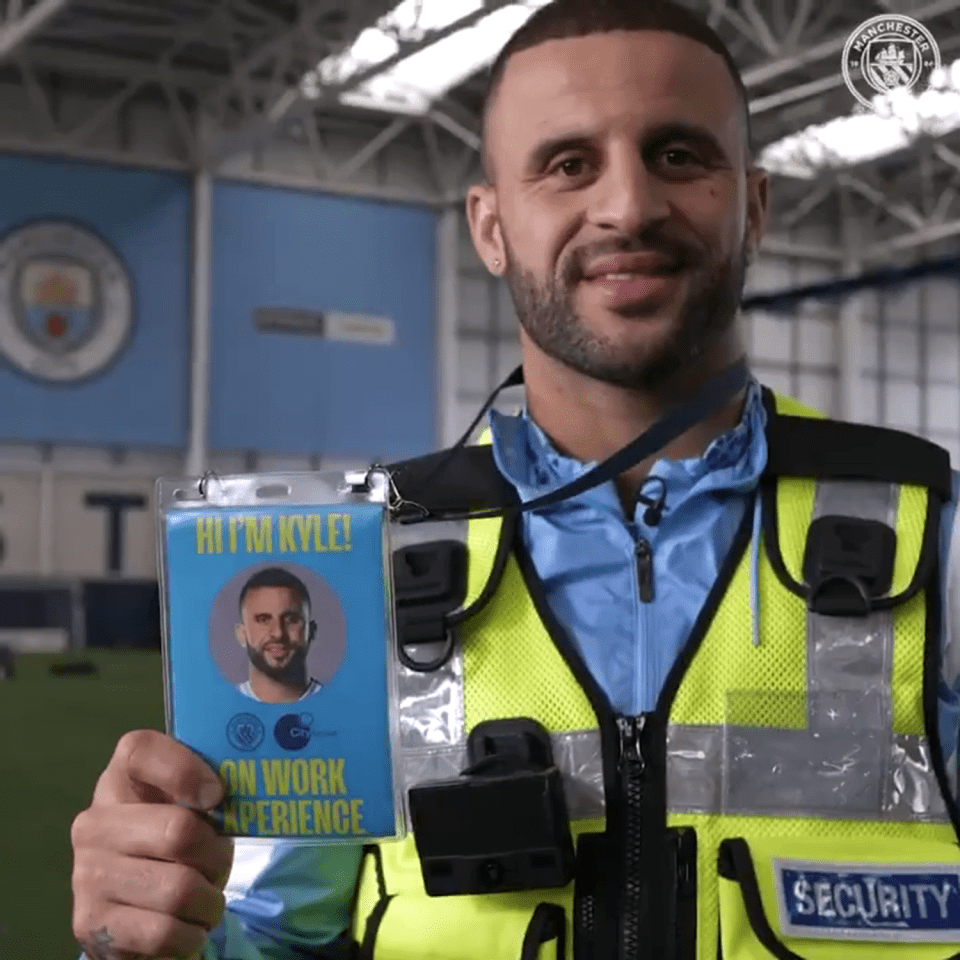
(278, 642)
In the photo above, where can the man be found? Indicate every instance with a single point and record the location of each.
(622, 207)
(276, 631)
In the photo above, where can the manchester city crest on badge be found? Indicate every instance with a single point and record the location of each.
(889, 53)
(66, 301)
(245, 731)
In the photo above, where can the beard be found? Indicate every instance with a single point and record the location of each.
(549, 317)
(290, 673)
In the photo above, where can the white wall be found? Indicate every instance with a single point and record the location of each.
(48, 529)
(909, 357)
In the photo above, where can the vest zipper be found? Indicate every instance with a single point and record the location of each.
(632, 769)
(644, 554)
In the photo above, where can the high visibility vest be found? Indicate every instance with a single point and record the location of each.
(786, 798)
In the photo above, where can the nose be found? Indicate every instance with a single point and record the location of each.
(628, 197)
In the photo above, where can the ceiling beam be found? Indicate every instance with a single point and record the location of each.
(799, 23)
(276, 48)
(294, 104)
(879, 197)
(185, 35)
(15, 33)
(784, 247)
(754, 27)
(803, 91)
(109, 66)
(808, 203)
(932, 233)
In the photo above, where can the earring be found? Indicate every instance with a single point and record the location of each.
(496, 264)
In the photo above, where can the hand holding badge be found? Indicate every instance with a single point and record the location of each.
(278, 650)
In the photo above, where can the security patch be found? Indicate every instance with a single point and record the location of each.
(909, 903)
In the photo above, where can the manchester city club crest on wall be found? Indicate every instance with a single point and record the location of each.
(66, 301)
(889, 53)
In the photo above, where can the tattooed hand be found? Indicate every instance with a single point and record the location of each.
(101, 947)
(149, 870)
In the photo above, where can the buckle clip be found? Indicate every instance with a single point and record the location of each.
(430, 582)
(847, 565)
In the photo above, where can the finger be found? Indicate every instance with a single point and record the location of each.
(142, 933)
(156, 832)
(167, 888)
(149, 767)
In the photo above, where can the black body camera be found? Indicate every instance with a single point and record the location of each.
(504, 824)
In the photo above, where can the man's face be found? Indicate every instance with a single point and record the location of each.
(622, 205)
(276, 631)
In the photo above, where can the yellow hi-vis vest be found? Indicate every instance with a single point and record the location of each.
(800, 778)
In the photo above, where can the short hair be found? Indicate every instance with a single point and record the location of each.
(568, 19)
(274, 577)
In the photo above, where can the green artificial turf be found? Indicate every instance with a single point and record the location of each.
(56, 736)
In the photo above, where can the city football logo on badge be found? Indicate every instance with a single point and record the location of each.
(888, 53)
(66, 301)
(292, 731)
(245, 731)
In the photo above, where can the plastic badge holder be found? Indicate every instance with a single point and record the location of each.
(278, 647)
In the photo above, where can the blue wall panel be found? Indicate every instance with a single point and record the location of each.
(299, 394)
(142, 397)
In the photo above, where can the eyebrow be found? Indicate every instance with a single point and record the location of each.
(545, 149)
(665, 133)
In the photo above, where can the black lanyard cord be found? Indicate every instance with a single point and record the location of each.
(709, 400)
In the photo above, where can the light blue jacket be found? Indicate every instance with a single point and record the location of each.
(287, 902)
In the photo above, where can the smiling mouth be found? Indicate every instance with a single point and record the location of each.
(625, 289)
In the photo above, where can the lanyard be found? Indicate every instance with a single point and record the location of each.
(710, 399)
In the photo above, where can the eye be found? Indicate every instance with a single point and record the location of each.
(570, 167)
(678, 157)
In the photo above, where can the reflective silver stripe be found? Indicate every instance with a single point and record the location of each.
(850, 658)
(846, 763)
(580, 759)
(795, 773)
(911, 791)
(433, 740)
(431, 704)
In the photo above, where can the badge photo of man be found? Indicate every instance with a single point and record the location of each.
(276, 630)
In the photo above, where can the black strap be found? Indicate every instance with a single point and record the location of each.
(707, 401)
(469, 477)
(372, 929)
(734, 863)
(548, 923)
(835, 450)
(456, 480)
(704, 404)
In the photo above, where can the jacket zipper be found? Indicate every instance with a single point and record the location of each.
(644, 554)
(632, 768)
